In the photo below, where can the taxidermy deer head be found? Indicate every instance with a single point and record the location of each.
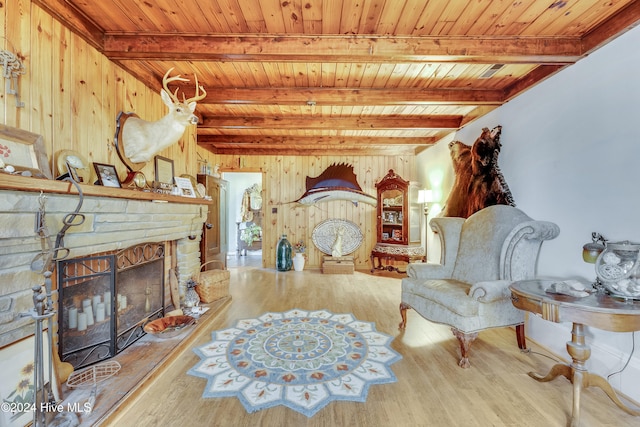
(142, 139)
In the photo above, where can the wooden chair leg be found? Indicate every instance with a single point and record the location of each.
(522, 341)
(465, 345)
(403, 314)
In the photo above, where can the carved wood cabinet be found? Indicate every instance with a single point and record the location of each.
(398, 223)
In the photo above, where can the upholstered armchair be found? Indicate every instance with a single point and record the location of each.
(481, 256)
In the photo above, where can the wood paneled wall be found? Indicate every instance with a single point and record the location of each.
(73, 94)
(284, 182)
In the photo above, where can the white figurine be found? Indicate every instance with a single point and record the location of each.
(336, 249)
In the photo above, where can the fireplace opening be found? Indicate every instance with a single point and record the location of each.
(105, 300)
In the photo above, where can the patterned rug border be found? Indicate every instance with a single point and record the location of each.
(345, 357)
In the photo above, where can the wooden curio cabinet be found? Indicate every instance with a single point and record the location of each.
(398, 211)
(398, 222)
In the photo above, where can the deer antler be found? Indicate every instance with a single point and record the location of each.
(166, 80)
(197, 96)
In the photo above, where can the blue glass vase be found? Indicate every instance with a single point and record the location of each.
(283, 254)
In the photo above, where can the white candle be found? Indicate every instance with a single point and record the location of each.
(95, 301)
(86, 302)
(82, 321)
(107, 308)
(107, 296)
(123, 302)
(88, 310)
(73, 318)
(100, 312)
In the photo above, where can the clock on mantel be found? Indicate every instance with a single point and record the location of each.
(398, 228)
(135, 180)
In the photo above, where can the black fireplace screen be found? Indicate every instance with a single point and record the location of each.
(105, 300)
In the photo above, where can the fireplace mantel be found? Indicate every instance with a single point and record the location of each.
(21, 183)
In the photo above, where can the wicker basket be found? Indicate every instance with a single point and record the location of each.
(213, 284)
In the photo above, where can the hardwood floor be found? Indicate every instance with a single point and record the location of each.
(431, 389)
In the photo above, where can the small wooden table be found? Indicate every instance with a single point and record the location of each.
(597, 310)
(387, 252)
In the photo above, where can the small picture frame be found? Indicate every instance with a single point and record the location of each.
(107, 175)
(164, 170)
(397, 235)
(385, 236)
(185, 187)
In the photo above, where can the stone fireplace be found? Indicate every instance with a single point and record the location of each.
(122, 219)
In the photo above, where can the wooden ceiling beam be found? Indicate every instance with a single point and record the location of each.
(332, 96)
(350, 97)
(344, 48)
(310, 151)
(354, 123)
(335, 141)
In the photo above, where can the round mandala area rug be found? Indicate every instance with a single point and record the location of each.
(300, 359)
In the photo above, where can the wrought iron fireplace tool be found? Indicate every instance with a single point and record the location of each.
(43, 309)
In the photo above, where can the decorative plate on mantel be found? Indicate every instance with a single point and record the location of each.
(324, 235)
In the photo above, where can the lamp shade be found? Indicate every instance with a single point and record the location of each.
(425, 196)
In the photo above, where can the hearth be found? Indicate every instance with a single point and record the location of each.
(105, 300)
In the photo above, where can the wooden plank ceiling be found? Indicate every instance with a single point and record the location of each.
(312, 77)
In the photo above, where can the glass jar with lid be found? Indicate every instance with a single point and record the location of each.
(617, 267)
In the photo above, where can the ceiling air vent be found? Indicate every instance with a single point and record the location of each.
(491, 71)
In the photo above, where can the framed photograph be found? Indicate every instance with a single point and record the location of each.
(107, 175)
(164, 170)
(24, 151)
(397, 235)
(185, 186)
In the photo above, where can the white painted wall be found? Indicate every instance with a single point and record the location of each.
(571, 155)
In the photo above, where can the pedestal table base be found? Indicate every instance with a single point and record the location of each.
(579, 376)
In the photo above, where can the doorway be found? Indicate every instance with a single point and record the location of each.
(245, 217)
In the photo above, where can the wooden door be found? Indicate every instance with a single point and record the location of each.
(214, 243)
